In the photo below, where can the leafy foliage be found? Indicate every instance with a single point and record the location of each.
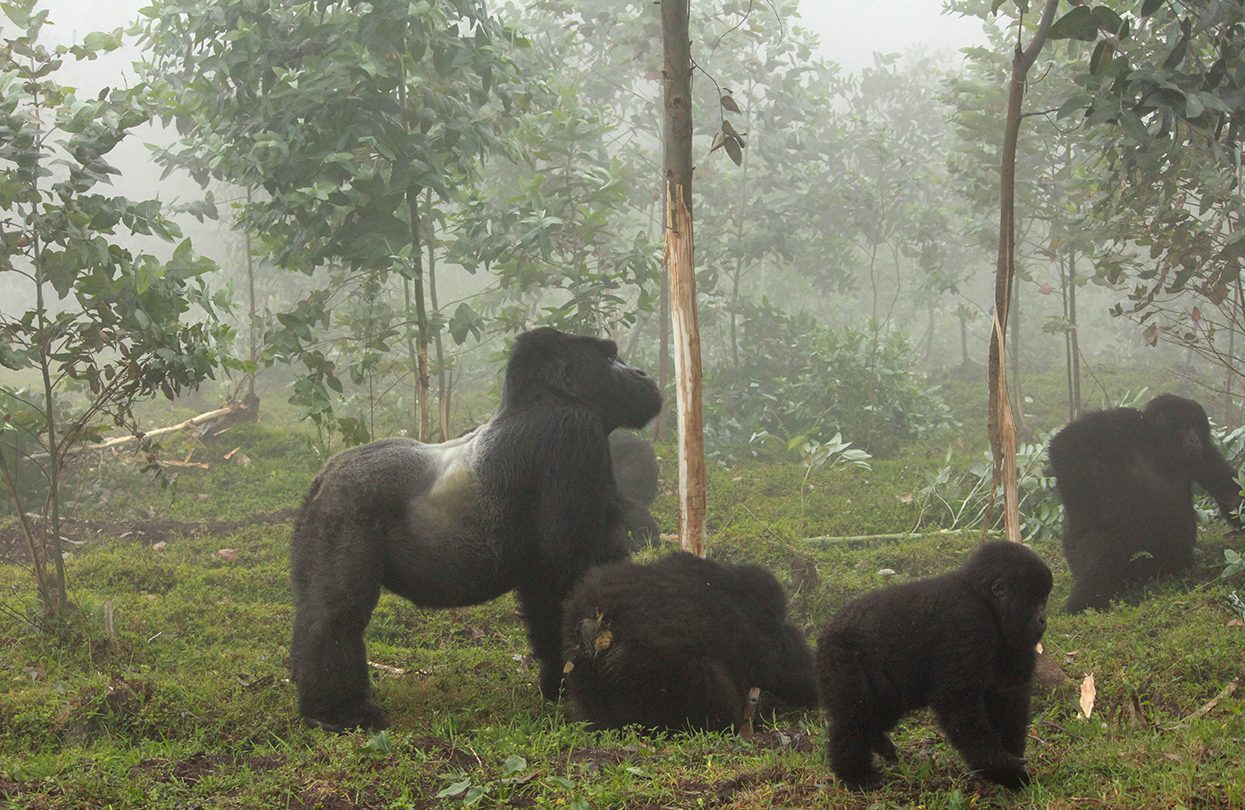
(338, 116)
(798, 381)
(104, 324)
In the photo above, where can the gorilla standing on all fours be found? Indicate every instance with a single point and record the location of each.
(961, 643)
(1125, 478)
(635, 478)
(523, 502)
(678, 643)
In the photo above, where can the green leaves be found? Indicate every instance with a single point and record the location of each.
(1085, 23)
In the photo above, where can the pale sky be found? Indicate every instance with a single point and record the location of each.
(851, 30)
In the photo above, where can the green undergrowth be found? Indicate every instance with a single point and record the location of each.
(170, 688)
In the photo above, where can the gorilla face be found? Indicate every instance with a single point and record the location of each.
(1180, 429)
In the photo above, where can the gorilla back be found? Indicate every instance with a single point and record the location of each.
(523, 502)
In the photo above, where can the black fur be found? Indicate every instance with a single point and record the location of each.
(961, 643)
(635, 477)
(678, 643)
(523, 502)
(1125, 478)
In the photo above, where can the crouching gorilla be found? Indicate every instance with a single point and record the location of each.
(961, 643)
(635, 477)
(522, 502)
(1125, 478)
(678, 643)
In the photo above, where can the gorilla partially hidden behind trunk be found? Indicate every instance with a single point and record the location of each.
(635, 477)
(1126, 481)
(524, 502)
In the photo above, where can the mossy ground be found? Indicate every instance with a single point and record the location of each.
(186, 702)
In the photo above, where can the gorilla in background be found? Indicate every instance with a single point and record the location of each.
(678, 643)
(961, 643)
(1125, 478)
(522, 502)
(635, 477)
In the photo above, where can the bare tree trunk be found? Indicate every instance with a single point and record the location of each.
(680, 260)
(964, 361)
(663, 342)
(443, 391)
(421, 314)
(1013, 355)
(250, 399)
(1002, 424)
(1074, 340)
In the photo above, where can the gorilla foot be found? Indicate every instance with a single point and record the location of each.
(364, 715)
(551, 683)
(883, 746)
(1011, 774)
(869, 778)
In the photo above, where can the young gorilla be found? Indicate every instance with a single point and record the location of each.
(961, 643)
(635, 477)
(1126, 481)
(678, 643)
(523, 502)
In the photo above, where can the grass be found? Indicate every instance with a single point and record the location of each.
(186, 703)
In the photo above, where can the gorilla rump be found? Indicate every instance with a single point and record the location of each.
(678, 644)
(523, 502)
(1125, 478)
(635, 476)
(961, 643)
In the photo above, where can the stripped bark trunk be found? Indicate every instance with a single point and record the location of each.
(1002, 423)
(680, 263)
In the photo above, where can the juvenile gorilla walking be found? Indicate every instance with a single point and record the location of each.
(961, 643)
(1126, 481)
(677, 644)
(523, 502)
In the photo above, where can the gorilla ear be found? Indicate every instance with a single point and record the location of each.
(559, 377)
(998, 588)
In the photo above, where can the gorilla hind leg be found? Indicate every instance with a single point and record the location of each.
(856, 729)
(1102, 575)
(333, 603)
(330, 666)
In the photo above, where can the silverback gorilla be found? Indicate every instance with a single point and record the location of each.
(961, 643)
(678, 643)
(1125, 478)
(635, 477)
(522, 502)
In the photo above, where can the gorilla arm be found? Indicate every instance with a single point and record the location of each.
(1218, 478)
(573, 513)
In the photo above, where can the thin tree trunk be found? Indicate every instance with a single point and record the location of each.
(421, 313)
(443, 391)
(964, 360)
(1073, 336)
(1002, 425)
(251, 400)
(663, 342)
(1013, 356)
(1067, 334)
(59, 597)
(680, 260)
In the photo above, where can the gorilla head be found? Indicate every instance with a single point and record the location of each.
(583, 371)
(526, 501)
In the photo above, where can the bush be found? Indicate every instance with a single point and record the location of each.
(798, 381)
